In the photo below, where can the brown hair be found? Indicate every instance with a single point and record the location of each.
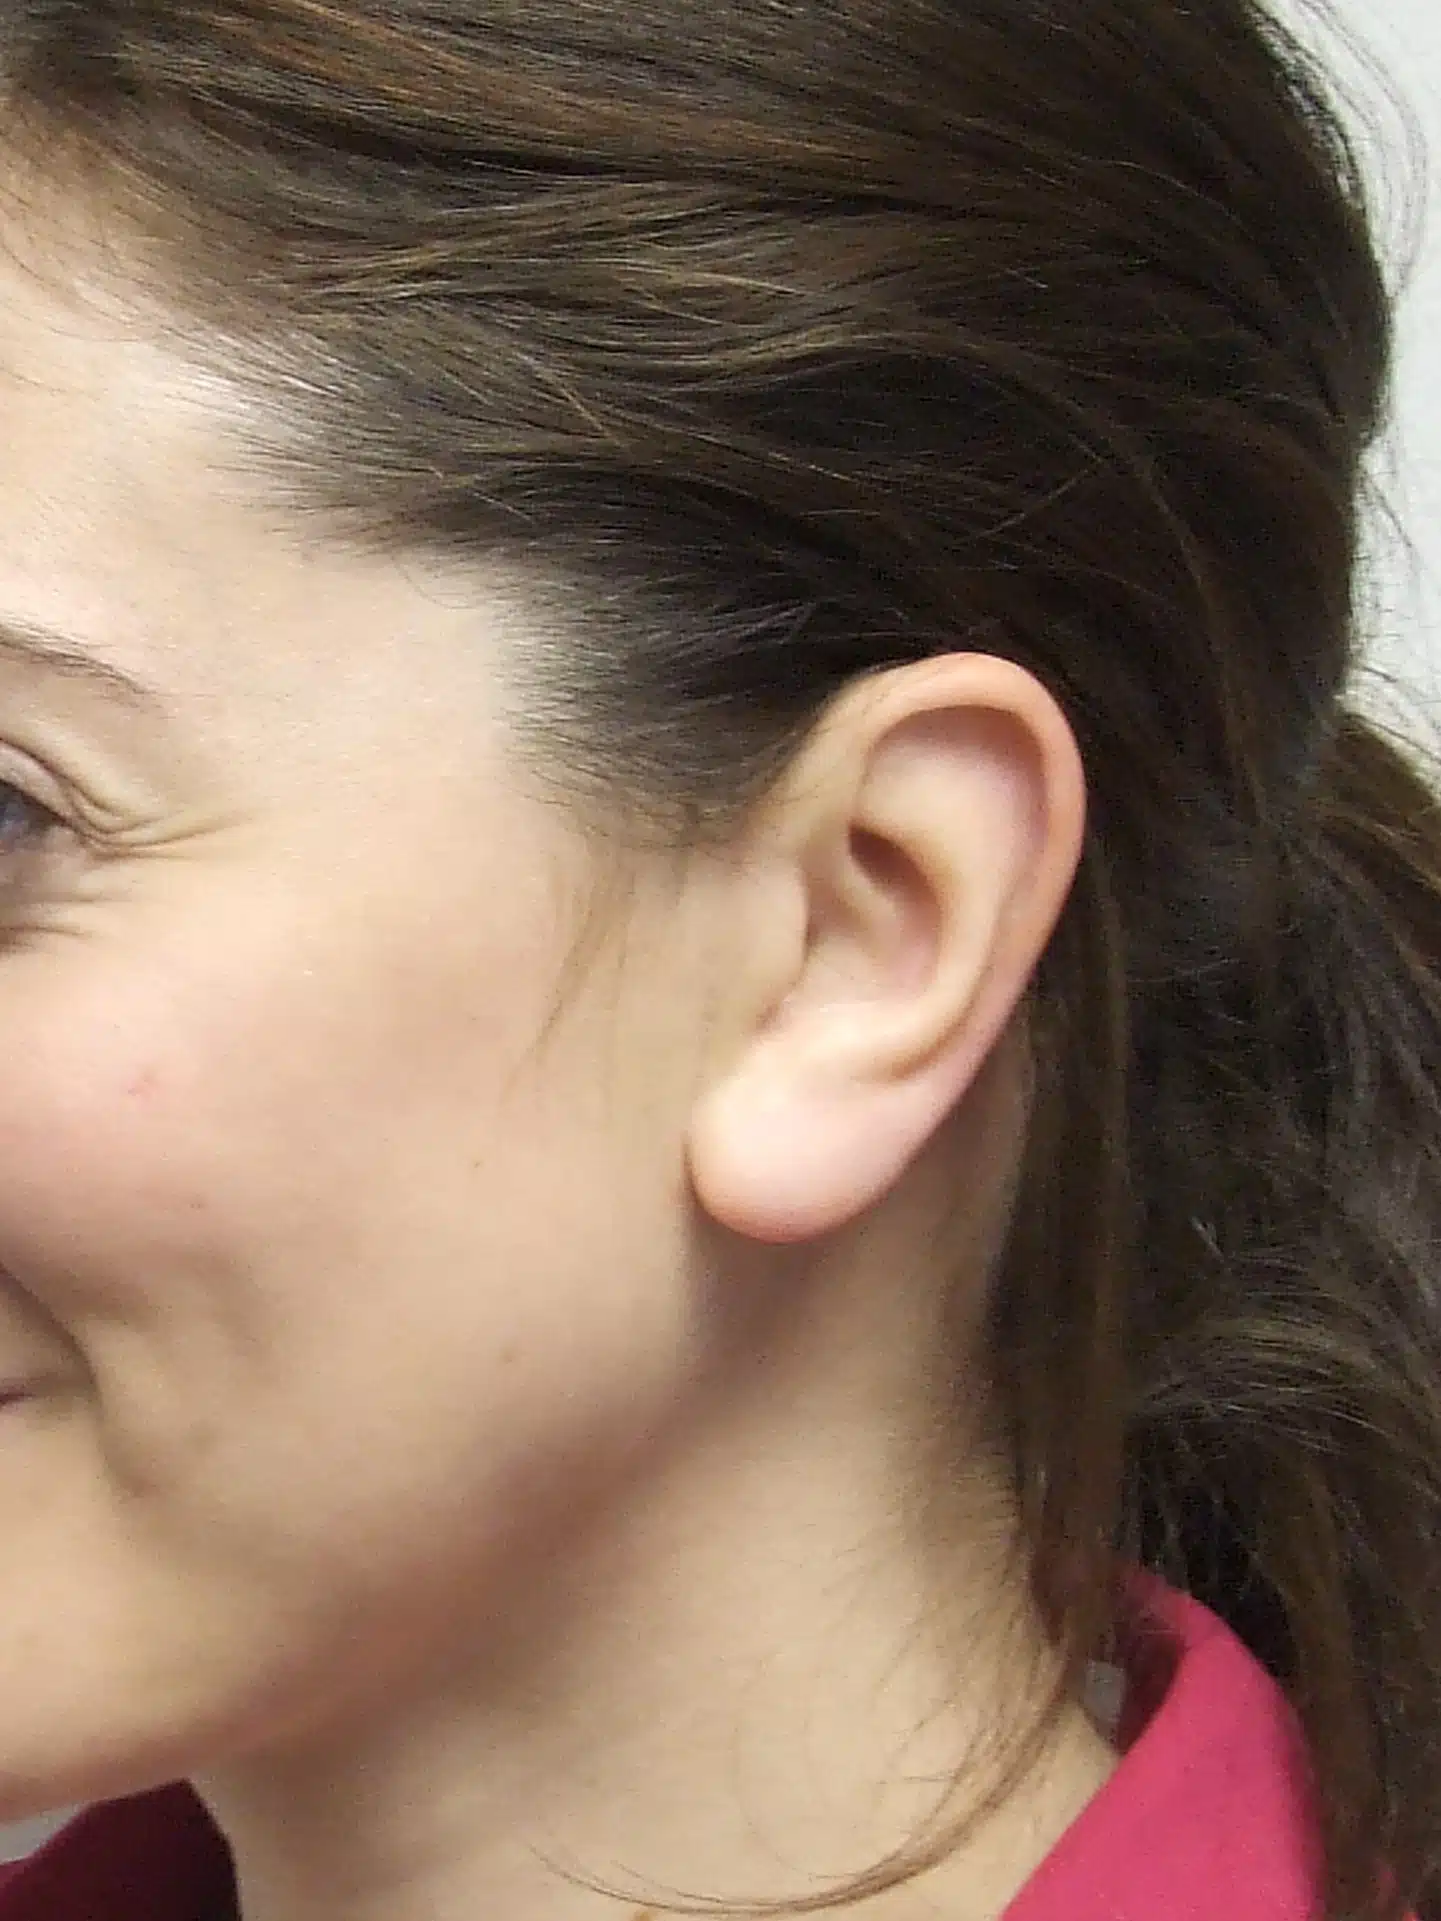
(773, 345)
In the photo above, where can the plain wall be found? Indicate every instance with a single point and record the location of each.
(1402, 618)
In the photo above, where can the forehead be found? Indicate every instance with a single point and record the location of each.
(104, 484)
(120, 523)
(126, 517)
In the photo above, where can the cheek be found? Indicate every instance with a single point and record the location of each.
(356, 1274)
(97, 1171)
(188, 1148)
(217, 1091)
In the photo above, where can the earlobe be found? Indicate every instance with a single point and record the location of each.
(939, 825)
(781, 1156)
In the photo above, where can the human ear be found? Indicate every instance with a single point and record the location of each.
(924, 846)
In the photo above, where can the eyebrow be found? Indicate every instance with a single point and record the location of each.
(34, 645)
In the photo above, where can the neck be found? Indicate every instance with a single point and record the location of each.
(743, 1686)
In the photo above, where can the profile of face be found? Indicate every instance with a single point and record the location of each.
(353, 1247)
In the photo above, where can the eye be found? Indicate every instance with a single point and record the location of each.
(24, 823)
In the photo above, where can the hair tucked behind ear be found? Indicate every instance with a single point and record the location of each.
(767, 346)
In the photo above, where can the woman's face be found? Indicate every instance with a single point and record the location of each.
(329, 1259)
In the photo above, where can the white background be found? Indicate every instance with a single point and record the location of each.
(1402, 617)
(1403, 576)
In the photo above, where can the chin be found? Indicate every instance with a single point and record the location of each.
(62, 1759)
(37, 1798)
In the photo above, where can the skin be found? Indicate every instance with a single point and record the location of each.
(476, 1406)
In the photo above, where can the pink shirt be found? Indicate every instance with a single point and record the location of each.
(1206, 1817)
